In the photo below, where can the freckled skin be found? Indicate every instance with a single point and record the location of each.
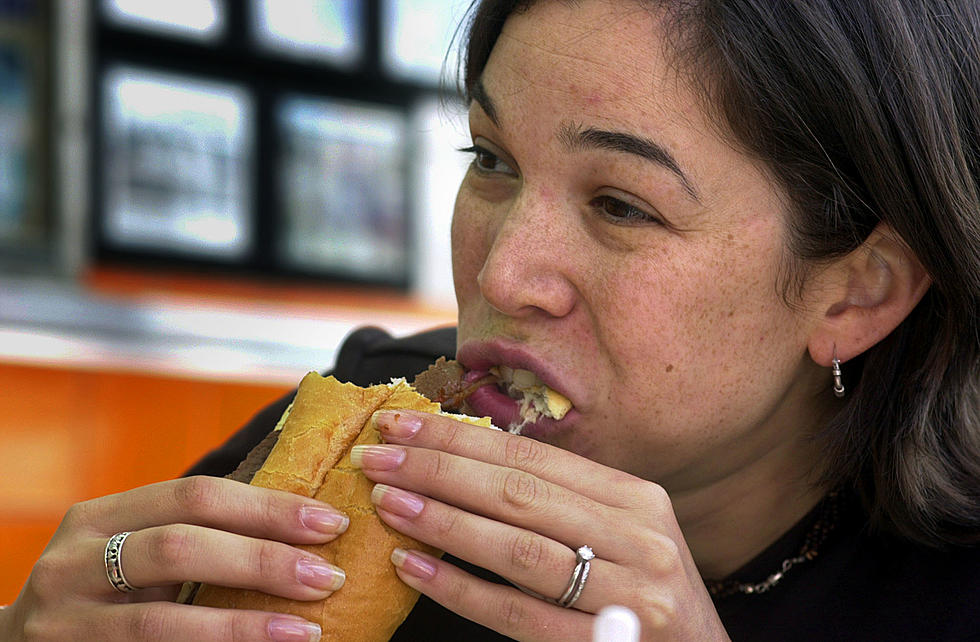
(686, 365)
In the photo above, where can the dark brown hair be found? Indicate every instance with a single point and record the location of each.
(865, 112)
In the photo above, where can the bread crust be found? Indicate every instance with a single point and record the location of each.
(312, 458)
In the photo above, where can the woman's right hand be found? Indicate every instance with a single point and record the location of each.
(200, 529)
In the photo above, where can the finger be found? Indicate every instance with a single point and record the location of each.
(167, 555)
(547, 462)
(158, 622)
(213, 502)
(503, 494)
(502, 608)
(528, 559)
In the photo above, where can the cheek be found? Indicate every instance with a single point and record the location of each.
(469, 247)
(700, 323)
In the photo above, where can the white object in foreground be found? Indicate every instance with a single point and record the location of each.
(616, 624)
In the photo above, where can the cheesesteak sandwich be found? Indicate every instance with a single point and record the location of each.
(308, 453)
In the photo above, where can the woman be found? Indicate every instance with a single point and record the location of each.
(684, 217)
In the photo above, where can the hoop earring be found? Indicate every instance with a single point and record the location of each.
(835, 370)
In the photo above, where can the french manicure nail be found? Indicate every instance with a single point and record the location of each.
(317, 574)
(377, 457)
(291, 629)
(413, 564)
(323, 520)
(397, 501)
(395, 423)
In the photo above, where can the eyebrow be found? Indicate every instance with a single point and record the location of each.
(479, 93)
(575, 137)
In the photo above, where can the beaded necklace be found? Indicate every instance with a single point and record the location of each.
(828, 515)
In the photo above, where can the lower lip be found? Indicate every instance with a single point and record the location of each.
(491, 401)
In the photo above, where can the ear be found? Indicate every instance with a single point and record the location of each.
(868, 294)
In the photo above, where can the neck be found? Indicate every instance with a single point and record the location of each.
(731, 520)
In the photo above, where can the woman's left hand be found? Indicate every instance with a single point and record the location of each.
(520, 508)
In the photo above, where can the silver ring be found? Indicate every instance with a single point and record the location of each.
(583, 561)
(113, 563)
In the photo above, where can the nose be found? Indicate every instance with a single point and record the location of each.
(530, 267)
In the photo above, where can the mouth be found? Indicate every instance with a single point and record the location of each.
(524, 397)
(518, 399)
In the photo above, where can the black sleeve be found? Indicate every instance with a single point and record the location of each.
(368, 356)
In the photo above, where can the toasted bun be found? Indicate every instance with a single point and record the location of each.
(312, 458)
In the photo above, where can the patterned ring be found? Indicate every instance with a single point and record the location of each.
(113, 563)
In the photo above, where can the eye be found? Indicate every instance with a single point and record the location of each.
(487, 162)
(620, 212)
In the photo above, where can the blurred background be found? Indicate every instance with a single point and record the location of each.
(198, 200)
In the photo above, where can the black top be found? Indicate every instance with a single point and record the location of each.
(861, 585)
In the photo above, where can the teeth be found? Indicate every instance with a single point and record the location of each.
(525, 379)
(536, 398)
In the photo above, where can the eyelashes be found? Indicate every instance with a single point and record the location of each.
(487, 162)
(609, 208)
(620, 212)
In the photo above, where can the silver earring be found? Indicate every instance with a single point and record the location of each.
(835, 370)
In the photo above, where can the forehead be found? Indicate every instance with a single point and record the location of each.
(610, 64)
(595, 52)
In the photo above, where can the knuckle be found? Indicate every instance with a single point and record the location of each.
(438, 467)
(272, 509)
(454, 435)
(456, 592)
(523, 453)
(663, 553)
(656, 498)
(238, 627)
(267, 560)
(47, 577)
(39, 628)
(512, 612)
(658, 611)
(148, 624)
(447, 522)
(172, 546)
(526, 551)
(521, 490)
(196, 495)
(77, 515)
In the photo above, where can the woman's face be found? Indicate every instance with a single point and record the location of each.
(609, 239)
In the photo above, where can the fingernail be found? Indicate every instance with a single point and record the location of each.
(413, 564)
(377, 457)
(323, 520)
(395, 423)
(397, 501)
(317, 574)
(291, 629)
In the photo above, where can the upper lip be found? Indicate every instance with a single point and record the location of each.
(483, 355)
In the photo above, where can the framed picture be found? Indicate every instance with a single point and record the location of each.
(201, 20)
(342, 186)
(416, 36)
(177, 164)
(16, 98)
(329, 32)
(24, 225)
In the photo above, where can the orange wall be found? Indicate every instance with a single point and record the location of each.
(69, 434)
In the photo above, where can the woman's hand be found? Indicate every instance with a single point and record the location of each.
(195, 529)
(521, 508)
